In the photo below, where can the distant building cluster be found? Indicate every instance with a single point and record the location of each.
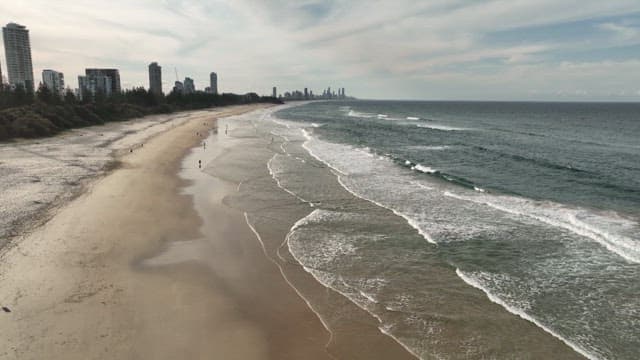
(306, 94)
(94, 82)
(188, 85)
(104, 82)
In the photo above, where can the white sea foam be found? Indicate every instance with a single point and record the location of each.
(441, 127)
(607, 231)
(369, 297)
(342, 172)
(471, 280)
(286, 279)
(413, 118)
(353, 113)
(423, 186)
(334, 282)
(274, 175)
(424, 169)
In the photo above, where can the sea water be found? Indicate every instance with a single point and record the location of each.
(535, 204)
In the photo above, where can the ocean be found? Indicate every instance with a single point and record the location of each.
(450, 222)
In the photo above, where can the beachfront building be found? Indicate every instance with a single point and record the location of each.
(178, 87)
(54, 81)
(275, 92)
(90, 86)
(189, 86)
(112, 74)
(17, 49)
(155, 78)
(213, 82)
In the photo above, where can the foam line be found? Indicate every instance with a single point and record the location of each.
(273, 175)
(339, 175)
(319, 280)
(286, 279)
(621, 247)
(472, 282)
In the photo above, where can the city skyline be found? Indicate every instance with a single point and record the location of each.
(574, 50)
(105, 81)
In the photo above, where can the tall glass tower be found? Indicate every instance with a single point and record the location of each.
(17, 49)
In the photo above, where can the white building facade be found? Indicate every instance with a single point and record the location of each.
(54, 80)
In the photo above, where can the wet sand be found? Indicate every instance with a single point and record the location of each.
(129, 270)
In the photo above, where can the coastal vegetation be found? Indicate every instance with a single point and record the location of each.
(24, 115)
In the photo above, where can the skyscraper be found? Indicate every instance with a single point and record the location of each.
(306, 93)
(17, 49)
(90, 85)
(178, 87)
(54, 80)
(213, 79)
(189, 86)
(112, 74)
(155, 78)
(275, 92)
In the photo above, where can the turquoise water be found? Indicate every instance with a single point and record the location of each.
(535, 204)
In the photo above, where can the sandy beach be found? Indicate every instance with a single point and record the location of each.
(130, 270)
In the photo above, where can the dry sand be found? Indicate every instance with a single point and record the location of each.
(77, 289)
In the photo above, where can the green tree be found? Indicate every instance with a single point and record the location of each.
(70, 97)
(44, 94)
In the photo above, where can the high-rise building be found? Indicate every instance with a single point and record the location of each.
(1, 79)
(112, 74)
(306, 93)
(213, 82)
(17, 49)
(54, 80)
(178, 87)
(189, 86)
(275, 92)
(90, 86)
(155, 78)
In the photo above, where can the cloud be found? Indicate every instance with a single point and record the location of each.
(374, 48)
(622, 33)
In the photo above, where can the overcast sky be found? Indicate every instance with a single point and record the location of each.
(400, 49)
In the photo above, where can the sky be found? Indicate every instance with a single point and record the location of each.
(563, 50)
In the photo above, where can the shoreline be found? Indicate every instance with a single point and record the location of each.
(73, 288)
(125, 137)
(271, 212)
(150, 261)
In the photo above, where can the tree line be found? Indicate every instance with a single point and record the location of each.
(45, 113)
